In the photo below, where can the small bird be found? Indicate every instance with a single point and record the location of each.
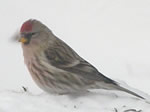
(57, 68)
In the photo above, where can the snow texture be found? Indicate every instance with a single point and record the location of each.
(102, 101)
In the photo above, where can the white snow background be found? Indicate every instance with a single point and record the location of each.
(113, 35)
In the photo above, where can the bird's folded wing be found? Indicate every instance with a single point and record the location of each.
(78, 66)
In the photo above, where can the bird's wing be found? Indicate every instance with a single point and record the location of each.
(66, 59)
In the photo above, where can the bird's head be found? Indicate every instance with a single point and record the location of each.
(33, 33)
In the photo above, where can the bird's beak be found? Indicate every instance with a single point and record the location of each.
(23, 40)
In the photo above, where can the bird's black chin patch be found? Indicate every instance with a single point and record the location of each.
(28, 40)
(26, 43)
(28, 37)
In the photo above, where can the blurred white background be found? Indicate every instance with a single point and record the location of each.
(113, 35)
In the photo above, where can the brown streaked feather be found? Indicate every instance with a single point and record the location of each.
(60, 57)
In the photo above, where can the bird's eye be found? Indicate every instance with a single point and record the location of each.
(28, 35)
(33, 33)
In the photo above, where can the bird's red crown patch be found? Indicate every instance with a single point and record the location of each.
(27, 26)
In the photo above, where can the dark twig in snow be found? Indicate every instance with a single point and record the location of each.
(115, 110)
(24, 89)
(133, 110)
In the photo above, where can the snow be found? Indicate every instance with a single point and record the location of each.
(92, 102)
(113, 35)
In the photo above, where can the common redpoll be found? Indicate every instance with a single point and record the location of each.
(57, 68)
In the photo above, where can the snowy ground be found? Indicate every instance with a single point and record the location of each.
(103, 101)
(113, 35)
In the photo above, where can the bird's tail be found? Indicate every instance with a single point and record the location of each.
(107, 83)
(119, 88)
